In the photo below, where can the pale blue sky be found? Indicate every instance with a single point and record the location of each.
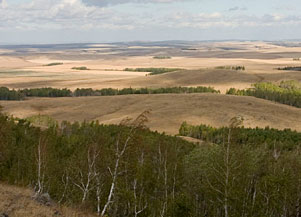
(63, 21)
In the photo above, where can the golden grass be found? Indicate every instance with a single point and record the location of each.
(168, 111)
(17, 202)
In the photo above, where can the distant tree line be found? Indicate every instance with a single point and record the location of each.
(54, 64)
(287, 92)
(291, 68)
(80, 68)
(153, 71)
(237, 68)
(6, 94)
(46, 92)
(162, 57)
(126, 170)
(128, 91)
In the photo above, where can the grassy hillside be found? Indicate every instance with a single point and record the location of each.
(167, 111)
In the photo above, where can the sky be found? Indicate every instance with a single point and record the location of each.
(81, 21)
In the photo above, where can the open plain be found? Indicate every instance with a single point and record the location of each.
(30, 67)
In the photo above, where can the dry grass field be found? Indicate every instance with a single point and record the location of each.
(167, 111)
(25, 67)
(17, 202)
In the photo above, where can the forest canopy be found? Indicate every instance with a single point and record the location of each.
(128, 170)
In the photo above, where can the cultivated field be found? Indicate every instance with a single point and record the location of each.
(26, 67)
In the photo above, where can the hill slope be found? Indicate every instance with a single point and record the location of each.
(218, 78)
(167, 111)
(16, 202)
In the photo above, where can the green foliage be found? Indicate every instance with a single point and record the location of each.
(6, 94)
(268, 137)
(153, 71)
(161, 57)
(42, 120)
(146, 168)
(290, 68)
(243, 163)
(237, 68)
(46, 92)
(80, 68)
(237, 172)
(54, 64)
(127, 91)
(287, 92)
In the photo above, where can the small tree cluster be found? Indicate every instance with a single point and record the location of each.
(153, 71)
(287, 92)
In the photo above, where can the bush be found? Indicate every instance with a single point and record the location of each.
(80, 68)
(54, 64)
(237, 68)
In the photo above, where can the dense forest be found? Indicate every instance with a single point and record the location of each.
(127, 170)
(6, 94)
(287, 92)
(286, 139)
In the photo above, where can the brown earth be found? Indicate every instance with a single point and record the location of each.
(17, 202)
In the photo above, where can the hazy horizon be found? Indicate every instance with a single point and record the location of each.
(94, 21)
